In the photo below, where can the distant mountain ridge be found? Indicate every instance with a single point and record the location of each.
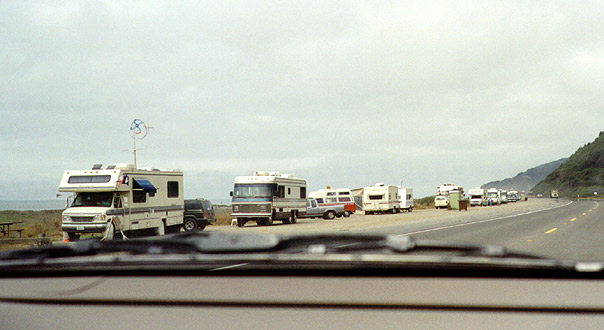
(526, 180)
(581, 175)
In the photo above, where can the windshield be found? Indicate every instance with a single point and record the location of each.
(253, 190)
(102, 199)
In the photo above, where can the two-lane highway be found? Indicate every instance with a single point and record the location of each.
(572, 230)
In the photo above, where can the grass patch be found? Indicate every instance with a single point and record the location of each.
(223, 215)
(424, 203)
(46, 223)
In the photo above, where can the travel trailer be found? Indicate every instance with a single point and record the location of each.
(405, 198)
(268, 196)
(478, 196)
(122, 200)
(328, 197)
(380, 199)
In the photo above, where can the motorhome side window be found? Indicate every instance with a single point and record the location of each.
(281, 192)
(302, 192)
(376, 197)
(139, 196)
(172, 189)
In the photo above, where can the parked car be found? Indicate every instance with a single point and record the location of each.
(198, 214)
(315, 210)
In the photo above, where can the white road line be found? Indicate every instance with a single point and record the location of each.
(482, 221)
(228, 267)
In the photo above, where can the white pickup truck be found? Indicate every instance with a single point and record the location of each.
(314, 210)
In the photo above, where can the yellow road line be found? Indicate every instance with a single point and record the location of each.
(551, 230)
(530, 240)
(584, 214)
(573, 219)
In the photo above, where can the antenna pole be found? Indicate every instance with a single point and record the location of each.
(134, 151)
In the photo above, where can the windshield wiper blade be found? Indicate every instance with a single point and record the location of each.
(219, 243)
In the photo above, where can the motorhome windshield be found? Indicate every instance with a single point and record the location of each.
(102, 199)
(492, 194)
(253, 190)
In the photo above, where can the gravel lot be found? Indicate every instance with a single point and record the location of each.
(415, 220)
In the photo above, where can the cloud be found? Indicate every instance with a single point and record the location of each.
(341, 93)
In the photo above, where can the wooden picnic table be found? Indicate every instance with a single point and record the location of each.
(5, 228)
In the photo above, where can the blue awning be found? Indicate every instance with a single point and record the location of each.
(146, 185)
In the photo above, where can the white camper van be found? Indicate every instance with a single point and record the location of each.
(268, 196)
(478, 196)
(405, 198)
(122, 199)
(380, 199)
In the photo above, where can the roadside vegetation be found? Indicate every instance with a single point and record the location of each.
(423, 203)
(35, 224)
(581, 175)
(223, 215)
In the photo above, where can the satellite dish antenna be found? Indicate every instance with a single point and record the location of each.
(139, 130)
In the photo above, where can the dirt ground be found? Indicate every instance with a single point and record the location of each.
(361, 222)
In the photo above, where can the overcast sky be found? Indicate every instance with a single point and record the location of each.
(340, 93)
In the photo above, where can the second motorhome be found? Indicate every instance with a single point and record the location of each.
(122, 200)
(328, 197)
(268, 196)
(380, 199)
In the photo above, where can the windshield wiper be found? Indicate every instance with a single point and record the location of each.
(217, 243)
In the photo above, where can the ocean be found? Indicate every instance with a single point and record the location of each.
(35, 205)
(56, 204)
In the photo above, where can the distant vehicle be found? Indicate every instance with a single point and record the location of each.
(554, 193)
(316, 210)
(441, 202)
(342, 196)
(512, 196)
(539, 195)
(380, 199)
(122, 198)
(268, 196)
(503, 195)
(478, 196)
(405, 198)
(494, 196)
(198, 214)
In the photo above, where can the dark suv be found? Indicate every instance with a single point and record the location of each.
(198, 214)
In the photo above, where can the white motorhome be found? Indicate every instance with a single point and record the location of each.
(494, 196)
(122, 198)
(268, 196)
(380, 199)
(478, 196)
(405, 198)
